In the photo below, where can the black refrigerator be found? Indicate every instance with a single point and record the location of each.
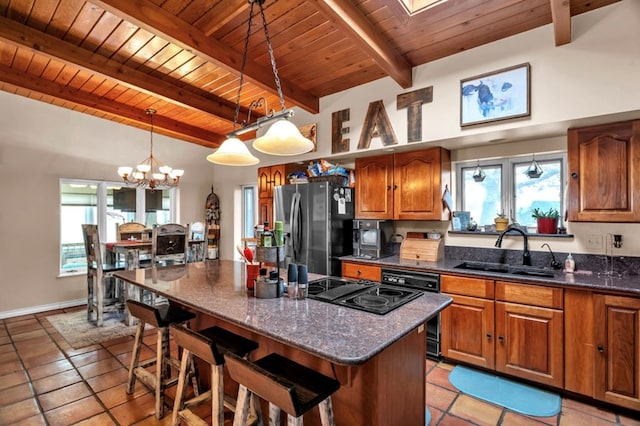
(317, 222)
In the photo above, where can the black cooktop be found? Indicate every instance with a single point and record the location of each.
(366, 296)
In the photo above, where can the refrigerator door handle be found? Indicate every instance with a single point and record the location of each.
(296, 227)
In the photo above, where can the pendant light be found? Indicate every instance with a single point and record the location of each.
(479, 174)
(283, 137)
(534, 171)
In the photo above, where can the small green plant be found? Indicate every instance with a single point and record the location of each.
(549, 214)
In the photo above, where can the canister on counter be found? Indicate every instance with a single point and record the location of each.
(278, 233)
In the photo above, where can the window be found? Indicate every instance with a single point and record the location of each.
(507, 189)
(249, 212)
(107, 205)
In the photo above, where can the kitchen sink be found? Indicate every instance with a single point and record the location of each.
(506, 269)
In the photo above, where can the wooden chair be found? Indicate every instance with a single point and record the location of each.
(103, 289)
(209, 345)
(131, 229)
(198, 244)
(169, 244)
(161, 317)
(287, 386)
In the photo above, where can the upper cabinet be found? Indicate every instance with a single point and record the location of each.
(268, 178)
(604, 173)
(403, 186)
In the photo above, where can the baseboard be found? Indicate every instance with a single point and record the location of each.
(42, 308)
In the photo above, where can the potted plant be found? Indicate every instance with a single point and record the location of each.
(547, 220)
(501, 221)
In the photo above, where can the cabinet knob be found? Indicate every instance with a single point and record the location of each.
(388, 187)
(488, 336)
(501, 339)
(395, 187)
(601, 349)
(574, 175)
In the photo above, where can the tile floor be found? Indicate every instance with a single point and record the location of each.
(43, 381)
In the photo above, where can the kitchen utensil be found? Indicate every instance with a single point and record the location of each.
(242, 253)
(248, 254)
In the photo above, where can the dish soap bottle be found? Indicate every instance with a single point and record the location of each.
(569, 264)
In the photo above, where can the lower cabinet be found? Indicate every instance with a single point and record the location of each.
(617, 342)
(358, 271)
(514, 328)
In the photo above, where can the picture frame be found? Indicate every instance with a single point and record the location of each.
(499, 95)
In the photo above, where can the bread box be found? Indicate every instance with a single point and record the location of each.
(422, 249)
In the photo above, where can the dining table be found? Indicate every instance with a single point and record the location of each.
(132, 251)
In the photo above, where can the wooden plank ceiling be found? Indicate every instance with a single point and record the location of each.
(115, 58)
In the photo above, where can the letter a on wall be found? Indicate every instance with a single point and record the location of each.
(376, 124)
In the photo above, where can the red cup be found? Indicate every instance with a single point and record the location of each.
(252, 275)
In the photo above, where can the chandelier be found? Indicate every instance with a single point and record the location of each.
(282, 138)
(150, 173)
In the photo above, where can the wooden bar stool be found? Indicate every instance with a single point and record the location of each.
(160, 316)
(287, 386)
(210, 345)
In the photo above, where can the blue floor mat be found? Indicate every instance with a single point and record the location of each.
(511, 395)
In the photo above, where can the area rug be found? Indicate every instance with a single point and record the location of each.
(79, 332)
(509, 394)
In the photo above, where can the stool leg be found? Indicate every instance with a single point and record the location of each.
(326, 413)
(255, 412)
(160, 371)
(182, 386)
(274, 414)
(242, 406)
(294, 421)
(135, 357)
(100, 299)
(217, 394)
(90, 281)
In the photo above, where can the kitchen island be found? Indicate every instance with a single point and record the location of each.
(378, 359)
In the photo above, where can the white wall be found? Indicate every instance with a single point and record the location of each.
(592, 79)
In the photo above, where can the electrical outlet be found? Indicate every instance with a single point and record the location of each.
(594, 242)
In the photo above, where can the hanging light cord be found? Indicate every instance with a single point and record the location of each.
(150, 112)
(271, 55)
(242, 66)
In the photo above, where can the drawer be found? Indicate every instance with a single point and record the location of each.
(475, 287)
(547, 297)
(359, 271)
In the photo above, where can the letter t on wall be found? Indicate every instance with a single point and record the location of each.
(413, 102)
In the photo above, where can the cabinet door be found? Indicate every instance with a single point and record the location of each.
(264, 182)
(417, 185)
(604, 173)
(530, 342)
(265, 210)
(374, 187)
(467, 331)
(617, 338)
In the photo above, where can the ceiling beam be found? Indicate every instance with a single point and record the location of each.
(41, 43)
(220, 14)
(164, 125)
(561, 15)
(156, 20)
(352, 22)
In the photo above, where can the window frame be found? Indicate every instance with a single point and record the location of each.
(102, 208)
(508, 166)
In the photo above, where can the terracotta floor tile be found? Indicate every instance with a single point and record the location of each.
(145, 353)
(44, 358)
(440, 376)
(123, 340)
(109, 380)
(23, 326)
(117, 395)
(628, 421)
(100, 367)
(7, 348)
(15, 394)
(18, 411)
(571, 417)
(588, 409)
(511, 418)
(78, 351)
(56, 381)
(74, 412)
(479, 412)
(35, 334)
(439, 397)
(436, 415)
(35, 420)
(134, 410)
(90, 357)
(8, 367)
(121, 348)
(165, 421)
(5, 340)
(64, 396)
(8, 321)
(449, 420)
(50, 369)
(8, 356)
(13, 379)
(102, 419)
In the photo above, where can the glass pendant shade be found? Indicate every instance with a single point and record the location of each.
(233, 152)
(283, 138)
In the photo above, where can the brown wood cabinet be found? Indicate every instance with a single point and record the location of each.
(529, 332)
(467, 325)
(513, 328)
(359, 271)
(617, 342)
(403, 186)
(268, 178)
(604, 173)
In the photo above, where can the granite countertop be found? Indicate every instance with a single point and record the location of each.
(588, 280)
(336, 333)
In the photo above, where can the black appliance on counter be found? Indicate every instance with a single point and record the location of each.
(423, 281)
(372, 238)
(366, 296)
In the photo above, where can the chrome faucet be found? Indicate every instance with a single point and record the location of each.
(526, 256)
